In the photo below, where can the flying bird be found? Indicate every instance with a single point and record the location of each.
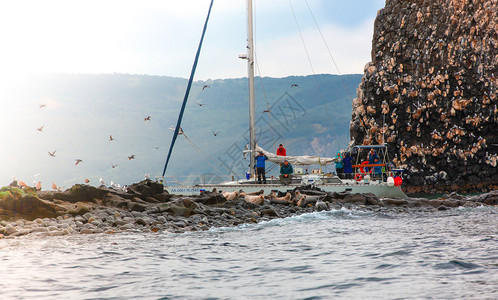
(294, 85)
(155, 147)
(52, 153)
(42, 105)
(40, 129)
(180, 131)
(113, 165)
(215, 133)
(147, 119)
(266, 111)
(205, 86)
(131, 157)
(200, 104)
(111, 138)
(77, 161)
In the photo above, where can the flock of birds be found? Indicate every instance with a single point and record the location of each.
(37, 183)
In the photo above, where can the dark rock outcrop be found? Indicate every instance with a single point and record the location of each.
(430, 93)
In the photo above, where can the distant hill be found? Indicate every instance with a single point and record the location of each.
(82, 111)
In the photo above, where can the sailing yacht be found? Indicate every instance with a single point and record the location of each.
(362, 180)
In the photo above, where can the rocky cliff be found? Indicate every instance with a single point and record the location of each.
(430, 93)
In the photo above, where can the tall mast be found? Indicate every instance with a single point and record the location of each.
(250, 71)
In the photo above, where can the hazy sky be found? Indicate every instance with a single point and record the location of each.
(153, 37)
(159, 37)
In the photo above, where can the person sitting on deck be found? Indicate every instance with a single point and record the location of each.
(281, 150)
(260, 166)
(286, 173)
(347, 162)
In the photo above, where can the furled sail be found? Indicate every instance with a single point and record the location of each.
(297, 160)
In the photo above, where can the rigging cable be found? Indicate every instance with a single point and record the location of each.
(312, 69)
(330, 53)
(258, 70)
(203, 154)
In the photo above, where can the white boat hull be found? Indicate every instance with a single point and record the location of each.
(381, 190)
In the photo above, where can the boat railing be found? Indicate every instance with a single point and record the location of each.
(192, 180)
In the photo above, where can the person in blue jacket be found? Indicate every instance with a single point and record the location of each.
(347, 162)
(260, 166)
(373, 158)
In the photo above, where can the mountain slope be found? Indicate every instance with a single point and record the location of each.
(82, 111)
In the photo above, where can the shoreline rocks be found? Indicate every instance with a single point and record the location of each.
(147, 208)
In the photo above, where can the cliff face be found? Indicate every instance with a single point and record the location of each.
(430, 93)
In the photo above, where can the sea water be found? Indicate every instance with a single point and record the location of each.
(348, 254)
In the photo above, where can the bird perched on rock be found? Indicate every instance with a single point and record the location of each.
(87, 180)
(40, 129)
(52, 153)
(102, 182)
(131, 157)
(147, 176)
(205, 86)
(77, 161)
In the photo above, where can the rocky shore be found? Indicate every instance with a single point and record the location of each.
(146, 207)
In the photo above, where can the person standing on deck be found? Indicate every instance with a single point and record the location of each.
(373, 158)
(281, 150)
(347, 162)
(260, 166)
(339, 166)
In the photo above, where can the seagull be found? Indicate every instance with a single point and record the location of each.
(40, 129)
(131, 157)
(155, 147)
(147, 119)
(147, 176)
(77, 161)
(111, 138)
(200, 104)
(113, 165)
(54, 187)
(22, 183)
(205, 86)
(52, 154)
(215, 133)
(102, 182)
(294, 85)
(42, 105)
(179, 131)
